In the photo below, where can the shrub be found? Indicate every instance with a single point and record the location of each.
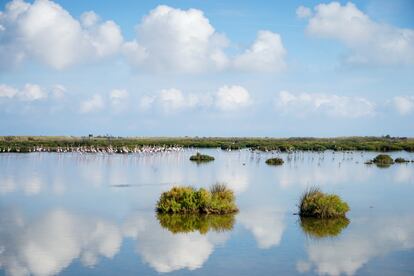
(184, 223)
(274, 161)
(188, 200)
(201, 157)
(321, 228)
(383, 159)
(401, 160)
(314, 203)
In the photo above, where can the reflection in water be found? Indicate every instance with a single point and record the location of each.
(50, 243)
(366, 239)
(266, 225)
(165, 251)
(321, 228)
(178, 223)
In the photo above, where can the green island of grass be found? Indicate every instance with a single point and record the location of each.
(54, 143)
(401, 160)
(322, 228)
(381, 160)
(316, 204)
(274, 161)
(188, 200)
(201, 157)
(185, 223)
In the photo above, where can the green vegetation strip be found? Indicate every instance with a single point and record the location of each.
(384, 144)
(188, 200)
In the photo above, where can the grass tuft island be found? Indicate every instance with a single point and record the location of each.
(314, 203)
(188, 200)
(201, 157)
(274, 161)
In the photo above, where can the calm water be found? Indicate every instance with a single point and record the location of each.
(75, 214)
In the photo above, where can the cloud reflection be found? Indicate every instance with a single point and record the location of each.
(47, 245)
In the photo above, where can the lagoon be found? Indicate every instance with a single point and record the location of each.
(94, 214)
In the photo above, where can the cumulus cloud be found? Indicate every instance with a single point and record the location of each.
(30, 92)
(46, 32)
(178, 40)
(58, 91)
(95, 103)
(302, 104)
(232, 97)
(403, 104)
(267, 54)
(227, 98)
(369, 42)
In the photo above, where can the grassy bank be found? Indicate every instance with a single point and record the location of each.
(53, 143)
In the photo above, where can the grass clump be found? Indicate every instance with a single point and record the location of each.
(314, 203)
(185, 223)
(274, 161)
(322, 228)
(401, 160)
(201, 157)
(188, 200)
(383, 159)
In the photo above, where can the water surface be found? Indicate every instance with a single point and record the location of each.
(93, 214)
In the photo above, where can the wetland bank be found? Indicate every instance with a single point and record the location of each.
(98, 210)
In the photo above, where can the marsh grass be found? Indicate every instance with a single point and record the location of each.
(185, 223)
(201, 158)
(274, 161)
(188, 200)
(322, 228)
(315, 203)
(401, 160)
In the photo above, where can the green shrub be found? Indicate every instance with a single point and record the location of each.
(383, 159)
(321, 228)
(188, 200)
(274, 161)
(401, 160)
(184, 223)
(314, 203)
(201, 157)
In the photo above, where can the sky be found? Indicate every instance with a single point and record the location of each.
(207, 68)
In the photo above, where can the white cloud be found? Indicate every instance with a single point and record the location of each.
(30, 92)
(7, 91)
(227, 98)
(178, 40)
(267, 54)
(118, 95)
(230, 98)
(369, 42)
(403, 104)
(301, 104)
(95, 103)
(303, 12)
(46, 32)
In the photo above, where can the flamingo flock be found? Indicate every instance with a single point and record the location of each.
(99, 150)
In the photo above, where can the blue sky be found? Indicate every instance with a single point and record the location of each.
(207, 68)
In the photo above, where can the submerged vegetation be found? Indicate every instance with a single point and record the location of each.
(188, 200)
(274, 161)
(321, 228)
(315, 203)
(122, 144)
(201, 157)
(184, 223)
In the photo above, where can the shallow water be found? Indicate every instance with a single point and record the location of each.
(76, 214)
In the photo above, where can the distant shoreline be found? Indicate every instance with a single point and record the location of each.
(134, 144)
